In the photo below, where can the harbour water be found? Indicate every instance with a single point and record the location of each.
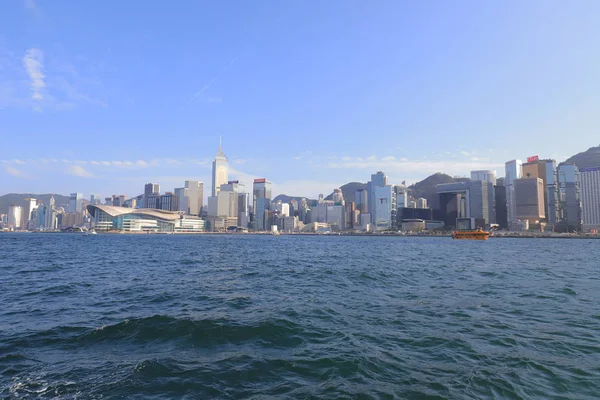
(152, 316)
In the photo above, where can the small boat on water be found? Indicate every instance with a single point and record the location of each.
(474, 234)
(90, 232)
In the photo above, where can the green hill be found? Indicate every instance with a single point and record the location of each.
(586, 159)
(19, 199)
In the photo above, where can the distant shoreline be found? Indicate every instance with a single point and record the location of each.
(448, 235)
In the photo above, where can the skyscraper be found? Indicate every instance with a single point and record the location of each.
(261, 203)
(28, 212)
(76, 203)
(14, 216)
(529, 199)
(195, 196)
(150, 189)
(513, 171)
(51, 221)
(590, 198)
(484, 175)
(361, 198)
(182, 195)
(385, 207)
(377, 180)
(219, 171)
(569, 196)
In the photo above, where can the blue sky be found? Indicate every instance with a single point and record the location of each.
(103, 96)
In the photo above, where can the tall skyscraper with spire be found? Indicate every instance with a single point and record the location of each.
(219, 170)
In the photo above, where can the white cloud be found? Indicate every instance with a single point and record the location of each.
(78, 170)
(141, 163)
(14, 172)
(33, 62)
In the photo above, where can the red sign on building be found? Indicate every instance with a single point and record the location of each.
(533, 158)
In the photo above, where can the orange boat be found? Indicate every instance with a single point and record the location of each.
(476, 234)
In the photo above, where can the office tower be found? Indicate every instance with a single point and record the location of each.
(195, 196)
(14, 216)
(377, 180)
(75, 203)
(261, 203)
(338, 196)
(421, 203)
(40, 216)
(95, 199)
(569, 196)
(401, 196)
(109, 200)
(385, 207)
(51, 221)
(529, 199)
(500, 197)
(473, 199)
(118, 200)
(28, 212)
(513, 171)
(219, 171)
(243, 213)
(168, 202)
(361, 198)
(150, 189)
(546, 171)
(484, 175)
(590, 198)
(182, 195)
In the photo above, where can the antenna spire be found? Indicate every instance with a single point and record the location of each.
(220, 143)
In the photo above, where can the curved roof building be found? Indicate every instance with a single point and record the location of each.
(134, 219)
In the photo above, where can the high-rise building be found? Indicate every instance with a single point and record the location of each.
(513, 171)
(421, 202)
(385, 207)
(182, 195)
(500, 197)
(14, 217)
(361, 199)
(401, 195)
(569, 196)
(219, 171)
(195, 196)
(546, 171)
(590, 198)
(119, 200)
(28, 212)
(484, 175)
(378, 179)
(529, 199)
(75, 203)
(150, 189)
(472, 199)
(338, 196)
(95, 199)
(169, 202)
(261, 203)
(51, 220)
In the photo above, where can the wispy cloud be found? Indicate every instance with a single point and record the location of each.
(32, 6)
(14, 171)
(199, 95)
(78, 170)
(33, 63)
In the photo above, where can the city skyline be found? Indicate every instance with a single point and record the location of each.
(309, 96)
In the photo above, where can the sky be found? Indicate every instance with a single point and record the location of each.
(103, 96)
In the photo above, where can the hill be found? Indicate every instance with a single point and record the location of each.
(348, 190)
(427, 188)
(19, 199)
(586, 159)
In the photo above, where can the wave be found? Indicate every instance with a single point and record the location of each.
(159, 328)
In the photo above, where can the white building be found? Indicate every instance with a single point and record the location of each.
(14, 216)
(513, 171)
(285, 209)
(385, 207)
(590, 198)
(219, 172)
(484, 175)
(28, 212)
(51, 220)
(421, 203)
